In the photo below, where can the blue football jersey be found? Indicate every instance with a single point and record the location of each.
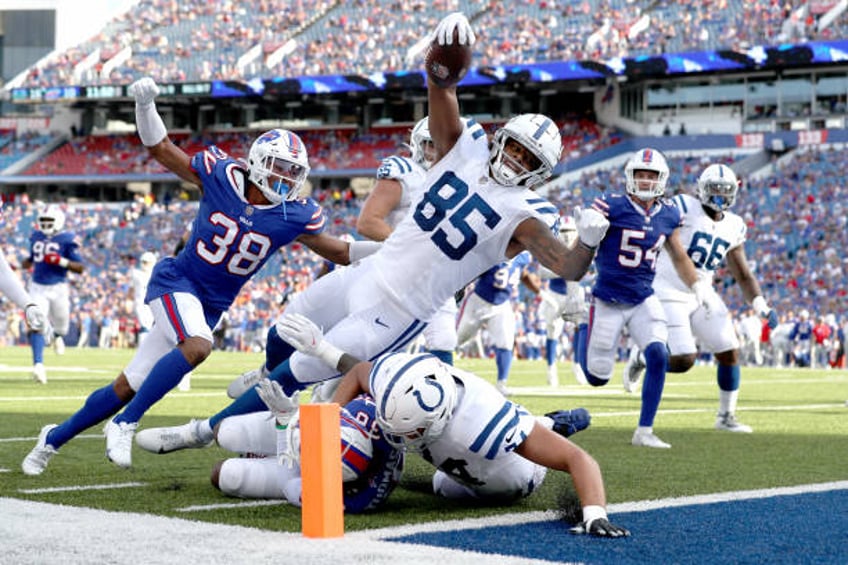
(230, 238)
(626, 260)
(40, 245)
(497, 285)
(382, 473)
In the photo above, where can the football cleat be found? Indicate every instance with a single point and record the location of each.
(569, 422)
(59, 345)
(633, 370)
(39, 373)
(727, 421)
(166, 440)
(119, 438)
(501, 386)
(36, 460)
(646, 438)
(246, 381)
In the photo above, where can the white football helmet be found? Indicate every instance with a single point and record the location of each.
(717, 187)
(646, 160)
(539, 135)
(278, 164)
(51, 220)
(418, 144)
(415, 397)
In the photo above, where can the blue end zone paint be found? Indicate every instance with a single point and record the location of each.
(803, 528)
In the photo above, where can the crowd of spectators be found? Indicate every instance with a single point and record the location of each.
(236, 40)
(795, 216)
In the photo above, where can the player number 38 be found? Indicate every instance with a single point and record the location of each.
(252, 247)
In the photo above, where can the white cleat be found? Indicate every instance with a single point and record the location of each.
(579, 375)
(39, 373)
(633, 370)
(727, 422)
(174, 438)
(36, 460)
(501, 386)
(59, 345)
(646, 438)
(119, 439)
(246, 381)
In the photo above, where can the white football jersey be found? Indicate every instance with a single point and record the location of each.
(477, 447)
(705, 240)
(459, 227)
(411, 177)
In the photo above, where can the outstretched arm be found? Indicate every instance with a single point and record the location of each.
(569, 263)
(154, 136)
(551, 450)
(384, 197)
(444, 118)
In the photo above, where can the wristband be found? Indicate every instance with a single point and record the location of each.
(592, 513)
(329, 354)
(359, 249)
(586, 245)
(63, 262)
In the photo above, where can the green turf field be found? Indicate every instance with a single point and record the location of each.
(799, 418)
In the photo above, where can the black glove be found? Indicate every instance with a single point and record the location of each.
(600, 527)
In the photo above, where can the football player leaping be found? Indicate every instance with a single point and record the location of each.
(711, 233)
(247, 212)
(478, 209)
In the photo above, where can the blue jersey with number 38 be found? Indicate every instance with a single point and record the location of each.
(230, 238)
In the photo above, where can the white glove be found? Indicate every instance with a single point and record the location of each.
(454, 22)
(283, 407)
(35, 318)
(591, 226)
(707, 297)
(144, 90)
(302, 334)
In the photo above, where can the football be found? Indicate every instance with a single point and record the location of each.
(447, 64)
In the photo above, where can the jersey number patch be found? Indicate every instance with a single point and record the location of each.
(706, 251)
(447, 195)
(251, 249)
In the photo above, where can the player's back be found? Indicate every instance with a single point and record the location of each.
(459, 227)
(705, 240)
(627, 256)
(483, 431)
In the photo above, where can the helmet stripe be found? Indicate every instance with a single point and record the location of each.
(542, 128)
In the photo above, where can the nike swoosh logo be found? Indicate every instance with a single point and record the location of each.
(380, 323)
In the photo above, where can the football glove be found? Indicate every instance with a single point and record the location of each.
(762, 308)
(706, 297)
(591, 226)
(454, 22)
(600, 527)
(283, 407)
(56, 259)
(302, 334)
(144, 91)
